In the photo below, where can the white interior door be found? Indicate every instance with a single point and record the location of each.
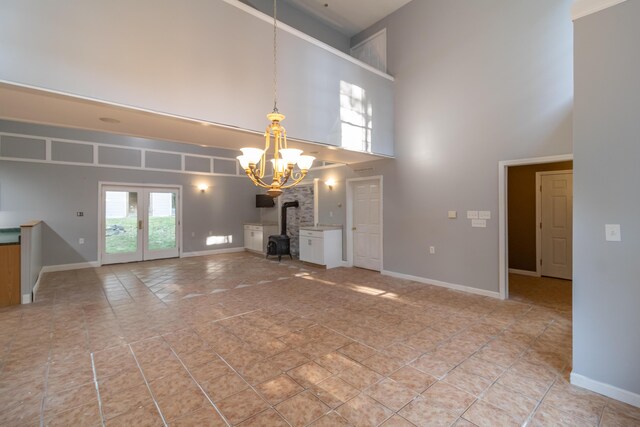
(366, 224)
(556, 207)
(139, 223)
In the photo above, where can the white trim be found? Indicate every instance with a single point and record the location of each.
(26, 299)
(36, 286)
(524, 272)
(503, 244)
(96, 145)
(212, 252)
(581, 8)
(539, 214)
(67, 267)
(349, 226)
(297, 33)
(316, 198)
(442, 284)
(606, 389)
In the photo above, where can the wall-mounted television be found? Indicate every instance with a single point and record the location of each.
(264, 201)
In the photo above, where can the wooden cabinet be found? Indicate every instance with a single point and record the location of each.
(9, 275)
(321, 246)
(257, 236)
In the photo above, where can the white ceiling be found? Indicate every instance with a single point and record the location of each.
(38, 106)
(350, 16)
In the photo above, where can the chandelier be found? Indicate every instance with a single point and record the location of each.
(254, 160)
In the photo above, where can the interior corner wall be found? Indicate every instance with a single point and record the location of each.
(521, 218)
(606, 291)
(476, 83)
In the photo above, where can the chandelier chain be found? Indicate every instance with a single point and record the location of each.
(275, 54)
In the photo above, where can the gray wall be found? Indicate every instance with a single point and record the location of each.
(476, 83)
(202, 59)
(54, 193)
(606, 289)
(291, 15)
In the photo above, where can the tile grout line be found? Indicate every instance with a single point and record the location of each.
(95, 382)
(253, 388)
(144, 378)
(198, 384)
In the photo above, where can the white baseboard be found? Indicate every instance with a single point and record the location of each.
(66, 267)
(606, 389)
(523, 272)
(454, 286)
(212, 252)
(26, 299)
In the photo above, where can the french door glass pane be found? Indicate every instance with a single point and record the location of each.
(162, 221)
(121, 219)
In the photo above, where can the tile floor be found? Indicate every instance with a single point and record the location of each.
(238, 340)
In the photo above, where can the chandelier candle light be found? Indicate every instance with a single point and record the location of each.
(254, 160)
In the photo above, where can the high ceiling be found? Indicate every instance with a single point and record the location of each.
(349, 16)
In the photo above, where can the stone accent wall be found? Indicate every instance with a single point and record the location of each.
(298, 217)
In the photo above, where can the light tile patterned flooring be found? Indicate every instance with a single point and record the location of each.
(238, 340)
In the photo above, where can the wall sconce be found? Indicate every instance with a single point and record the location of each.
(330, 183)
(203, 187)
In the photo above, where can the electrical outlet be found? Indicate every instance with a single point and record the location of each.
(452, 215)
(81, 241)
(79, 213)
(432, 249)
(331, 214)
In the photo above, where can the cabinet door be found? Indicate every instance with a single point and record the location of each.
(318, 251)
(306, 249)
(257, 241)
(247, 238)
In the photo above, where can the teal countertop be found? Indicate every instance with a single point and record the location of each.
(9, 236)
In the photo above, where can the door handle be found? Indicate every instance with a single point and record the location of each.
(353, 229)
(140, 225)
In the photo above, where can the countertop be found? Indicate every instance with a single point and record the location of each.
(9, 236)
(264, 224)
(322, 228)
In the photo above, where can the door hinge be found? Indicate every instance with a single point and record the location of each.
(540, 261)
(540, 226)
(541, 188)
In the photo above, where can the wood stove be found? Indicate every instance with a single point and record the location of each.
(280, 244)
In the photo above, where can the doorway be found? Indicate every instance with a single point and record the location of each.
(364, 223)
(138, 223)
(514, 242)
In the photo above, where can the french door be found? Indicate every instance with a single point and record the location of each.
(139, 223)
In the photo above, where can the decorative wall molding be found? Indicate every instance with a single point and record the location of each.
(583, 8)
(441, 284)
(606, 389)
(143, 152)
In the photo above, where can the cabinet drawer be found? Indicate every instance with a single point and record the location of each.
(309, 233)
(253, 227)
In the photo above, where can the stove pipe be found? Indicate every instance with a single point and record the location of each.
(283, 218)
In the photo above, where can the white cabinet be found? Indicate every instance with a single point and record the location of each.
(257, 236)
(322, 246)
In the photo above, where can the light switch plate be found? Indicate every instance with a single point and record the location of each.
(612, 232)
(452, 215)
(479, 223)
(472, 214)
(484, 214)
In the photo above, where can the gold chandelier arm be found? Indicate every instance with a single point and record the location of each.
(256, 180)
(296, 180)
